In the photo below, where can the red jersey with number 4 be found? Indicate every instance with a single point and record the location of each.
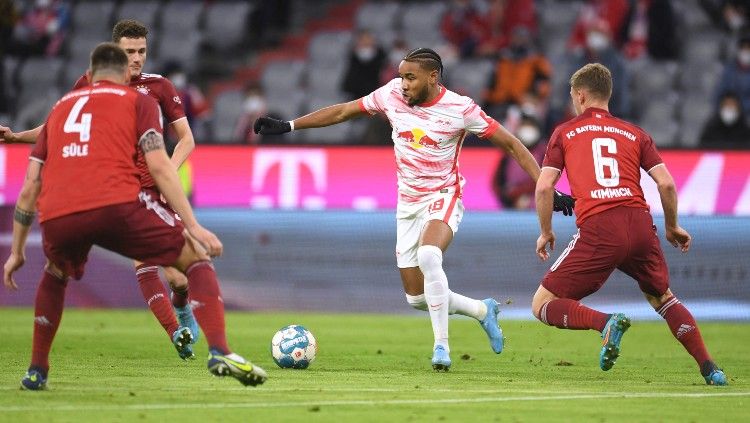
(161, 90)
(603, 156)
(89, 147)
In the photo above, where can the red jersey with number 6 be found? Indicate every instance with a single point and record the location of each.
(603, 156)
(89, 147)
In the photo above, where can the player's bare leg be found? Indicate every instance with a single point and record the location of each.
(178, 284)
(209, 311)
(685, 329)
(158, 302)
(565, 313)
(48, 310)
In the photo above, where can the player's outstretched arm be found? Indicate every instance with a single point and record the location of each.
(676, 236)
(326, 116)
(513, 146)
(23, 217)
(165, 176)
(7, 136)
(545, 191)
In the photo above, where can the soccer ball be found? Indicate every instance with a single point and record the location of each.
(293, 347)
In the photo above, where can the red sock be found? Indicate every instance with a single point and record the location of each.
(48, 310)
(570, 314)
(156, 297)
(208, 306)
(179, 297)
(683, 327)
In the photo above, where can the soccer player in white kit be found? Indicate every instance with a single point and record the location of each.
(429, 125)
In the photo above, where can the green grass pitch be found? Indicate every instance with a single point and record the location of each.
(119, 366)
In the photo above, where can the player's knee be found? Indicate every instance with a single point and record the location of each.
(658, 301)
(417, 301)
(55, 271)
(175, 278)
(430, 260)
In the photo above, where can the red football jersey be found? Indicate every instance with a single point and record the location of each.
(603, 156)
(162, 90)
(89, 146)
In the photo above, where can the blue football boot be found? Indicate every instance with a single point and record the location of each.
(713, 374)
(182, 339)
(441, 361)
(611, 337)
(186, 318)
(491, 325)
(34, 380)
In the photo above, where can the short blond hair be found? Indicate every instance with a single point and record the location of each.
(594, 78)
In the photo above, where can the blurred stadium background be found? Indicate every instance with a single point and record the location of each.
(307, 218)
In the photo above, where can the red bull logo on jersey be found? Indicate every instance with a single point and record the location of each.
(418, 139)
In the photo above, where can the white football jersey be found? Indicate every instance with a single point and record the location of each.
(427, 137)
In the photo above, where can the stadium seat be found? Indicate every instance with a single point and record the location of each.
(652, 79)
(94, 18)
(282, 77)
(146, 12)
(693, 17)
(227, 110)
(557, 16)
(80, 45)
(470, 77)
(695, 110)
(703, 48)
(329, 49)
(381, 19)
(181, 47)
(226, 23)
(421, 22)
(700, 77)
(324, 81)
(40, 73)
(287, 107)
(663, 132)
(10, 65)
(179, 15)
(33, 107)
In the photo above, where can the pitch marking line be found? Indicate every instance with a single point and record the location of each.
(442, 401)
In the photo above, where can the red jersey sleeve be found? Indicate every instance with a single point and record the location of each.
(649, 156)
(147, 115)
(555, 157)
(170, 102)
(39, 153)
(81, 82)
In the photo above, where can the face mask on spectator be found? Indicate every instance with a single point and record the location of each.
(528, 134)
(597, 41)
(735, 21)
(254, 104)
(743, 56)
(365, 54)
(729, 115)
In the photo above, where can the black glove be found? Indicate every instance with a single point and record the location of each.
(564, 203)
(270, 126)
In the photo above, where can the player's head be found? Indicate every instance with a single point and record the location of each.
(420, 72)
(130, 35)
(590, 85)
(109, 61)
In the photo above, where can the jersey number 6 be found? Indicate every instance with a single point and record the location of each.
(600, 162)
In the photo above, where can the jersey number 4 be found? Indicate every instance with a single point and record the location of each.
(82, 126)
(601, 162)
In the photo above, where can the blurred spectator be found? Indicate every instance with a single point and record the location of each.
(7, 21)
(41, 29)
(650, 28)
(732, 16)
(366, 63)
(396, 54)
(462, 26)
(728, 127)
(613, 12)
(499, 22)
(736, 74)
(521, 77)
(253, 107)
(195, 104)
(513, 187)
(599, 48)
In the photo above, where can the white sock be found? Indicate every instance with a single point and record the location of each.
(436, 291)
(417, 301)
(465, 306)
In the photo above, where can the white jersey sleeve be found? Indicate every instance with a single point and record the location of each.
(377, 101)
(477, 122)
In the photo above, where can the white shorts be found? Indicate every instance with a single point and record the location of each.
(445, 205)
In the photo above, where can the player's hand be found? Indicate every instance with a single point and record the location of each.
(207, 240)
(679, 237)
(270, 126)
(564, 203)
(541, 245)
(7, 136)
(14, 262)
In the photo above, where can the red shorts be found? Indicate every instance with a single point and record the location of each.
(142, 230)
(620, 238)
